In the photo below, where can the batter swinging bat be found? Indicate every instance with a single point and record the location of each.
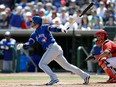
(86, 9)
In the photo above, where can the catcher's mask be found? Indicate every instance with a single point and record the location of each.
(101, 36)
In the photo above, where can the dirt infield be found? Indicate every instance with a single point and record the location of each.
(39, 79)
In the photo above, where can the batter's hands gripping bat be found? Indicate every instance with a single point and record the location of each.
(19, 46)
(86, 9)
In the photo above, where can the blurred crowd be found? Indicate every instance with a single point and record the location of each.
(61, 13)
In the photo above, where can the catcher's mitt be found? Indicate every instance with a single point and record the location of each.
(90, 57)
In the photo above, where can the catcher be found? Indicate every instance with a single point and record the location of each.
(107, 58)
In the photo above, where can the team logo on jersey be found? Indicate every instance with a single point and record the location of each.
(41, 35)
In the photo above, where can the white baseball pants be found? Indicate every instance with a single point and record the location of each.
(55, 52)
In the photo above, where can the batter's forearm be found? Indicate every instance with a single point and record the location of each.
(55, 29)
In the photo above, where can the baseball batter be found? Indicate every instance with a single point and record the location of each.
(43, 35)
(107, 59)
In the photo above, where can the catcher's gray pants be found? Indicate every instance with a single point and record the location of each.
(112, 61)
(55, 52)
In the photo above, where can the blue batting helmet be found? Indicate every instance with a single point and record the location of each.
(37, 20)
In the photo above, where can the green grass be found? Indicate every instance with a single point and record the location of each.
(21, 78)
(93, 77)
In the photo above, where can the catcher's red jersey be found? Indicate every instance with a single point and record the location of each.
(111, 46)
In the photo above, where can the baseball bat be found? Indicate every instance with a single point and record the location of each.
(24, 51)
(86, 9)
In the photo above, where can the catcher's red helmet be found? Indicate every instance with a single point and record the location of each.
(101, 36)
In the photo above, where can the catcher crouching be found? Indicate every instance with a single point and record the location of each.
(107, 58)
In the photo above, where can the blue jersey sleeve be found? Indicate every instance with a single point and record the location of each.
(96, 50)
(54, 29)
(30, 41)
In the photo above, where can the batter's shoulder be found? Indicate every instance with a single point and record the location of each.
(33, 34)
(45, 26)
